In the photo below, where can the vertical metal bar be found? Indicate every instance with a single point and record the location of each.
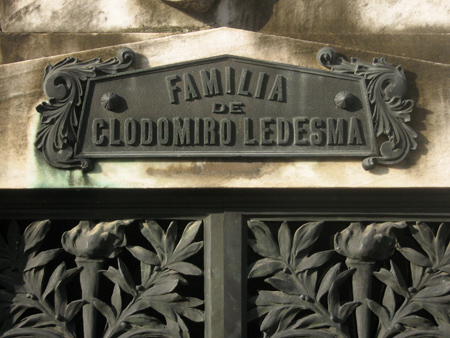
(235, 322)
(214, 269)
(224, 278)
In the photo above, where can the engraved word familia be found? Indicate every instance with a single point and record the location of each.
(233, 107)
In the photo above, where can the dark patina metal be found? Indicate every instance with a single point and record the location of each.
(347, 263)
(226, 106)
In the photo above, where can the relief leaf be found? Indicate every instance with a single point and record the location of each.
(143, 320)
(347, 309)
(265, 267)
(195, 315)
(440, 315)
(303, 333)
(274, 317)
(333, 294)
(185, 268)
(154, 234)
(117, 277)
(417, 322)
(389, 301)
(305, 237)
(290, 313)
(42, 258)
(36, 320)
(116, 300)
(187, 238)
(187, 252)
(441, 240)
(398, 276)
(105, 310)
(389, 279)
(313, 321)
(73, 308)
(146, 271)
(144, 255)
(126, 275)
(415, 257)
(277, 297)
(327, 280)
(265, 244)
(315, 260)
(161, 289)
(60, 299)
(284, 283)
(34, 234)
(55, 278)
(285, 241)
(169, 240)
(425, 237)
(416, 273)
(434, 291)
(381, 312)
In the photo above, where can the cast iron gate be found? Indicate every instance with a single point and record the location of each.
(274, 264)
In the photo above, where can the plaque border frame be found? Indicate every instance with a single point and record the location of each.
(65, 84)
(372, 150)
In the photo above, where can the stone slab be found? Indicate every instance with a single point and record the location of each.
(269, 16)
(23, 166)
(16, 47)
(433, 47)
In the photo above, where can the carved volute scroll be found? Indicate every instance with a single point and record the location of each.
(37, 289)
(304, 290)
(64, 85)
(386, 86)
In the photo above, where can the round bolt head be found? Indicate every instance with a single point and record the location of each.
(110, 101)
(343, 100)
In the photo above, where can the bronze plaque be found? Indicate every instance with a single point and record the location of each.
(224, 106)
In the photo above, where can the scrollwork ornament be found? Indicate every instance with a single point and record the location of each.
(64, 85)
(386, 86)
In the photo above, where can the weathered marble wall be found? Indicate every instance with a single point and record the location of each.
(274, 16)
(38, 28)
(24, 167)
(413, 33)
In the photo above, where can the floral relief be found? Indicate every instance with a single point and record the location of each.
(372, 242)
(90, 240)
(34, 300)
(304, 286)
(315, 279)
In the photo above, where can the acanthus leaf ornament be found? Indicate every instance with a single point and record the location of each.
(386, 86)
(64, 85)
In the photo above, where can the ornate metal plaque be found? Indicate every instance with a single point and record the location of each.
(224, 106)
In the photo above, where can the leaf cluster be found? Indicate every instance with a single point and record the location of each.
(430, 288)
(293, 272)
(162, 269)
(22, 271)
